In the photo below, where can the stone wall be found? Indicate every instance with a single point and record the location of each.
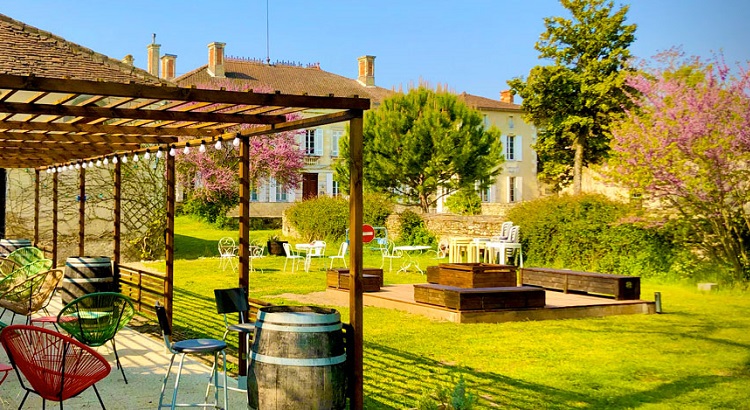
(446, 226)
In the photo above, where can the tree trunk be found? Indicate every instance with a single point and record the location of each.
(577, 165)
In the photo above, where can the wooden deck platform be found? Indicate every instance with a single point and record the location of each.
(558, 306)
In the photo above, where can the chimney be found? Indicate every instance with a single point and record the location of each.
(216, 59)
(153, 58)
(366, 74)
(128, 59)
(168, 66)
(506, 96)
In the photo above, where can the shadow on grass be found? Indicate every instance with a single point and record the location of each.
(396, 379)
(190, 247)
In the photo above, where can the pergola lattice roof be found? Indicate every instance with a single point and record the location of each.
(48, 122)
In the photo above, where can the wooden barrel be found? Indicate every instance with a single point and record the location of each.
(297, 359)
(87, 274)
(9, 245)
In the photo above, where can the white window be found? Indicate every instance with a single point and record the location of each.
(313, 142)
(513, 147)
(335, 138)
(511, 124)
(514, 189)
(335, 188)
(486, 194)
(254, 195)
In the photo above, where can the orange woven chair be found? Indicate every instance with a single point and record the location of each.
(56, 367)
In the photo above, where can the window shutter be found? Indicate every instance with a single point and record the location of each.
(509, 188)
(318, 141)
(518, 148)
(272, 190)
(519, 191)
(329, 184)
(504, 140)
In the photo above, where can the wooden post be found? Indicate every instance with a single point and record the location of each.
(355, 260)
(37, 184)
(169, 237)
(55, 201)
(244, 253)
(117, 225)
(82, 212)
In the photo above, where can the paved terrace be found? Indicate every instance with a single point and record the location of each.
(145, 360)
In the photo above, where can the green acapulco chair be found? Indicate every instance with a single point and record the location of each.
(95, 319)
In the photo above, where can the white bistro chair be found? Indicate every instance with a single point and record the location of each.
(293, 255)
(341, 255)
(228, 252)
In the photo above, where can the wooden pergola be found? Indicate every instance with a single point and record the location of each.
(50, 123)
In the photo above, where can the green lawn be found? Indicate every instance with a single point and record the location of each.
(696, 355)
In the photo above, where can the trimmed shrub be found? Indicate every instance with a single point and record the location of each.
(327, 218)
(587, 232)
(413, 230)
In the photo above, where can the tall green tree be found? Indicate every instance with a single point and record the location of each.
(574, 100)
(423, 145)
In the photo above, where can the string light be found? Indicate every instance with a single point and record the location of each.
(83, 165)
(186, 150)
(78, 166)
(135, 157)
(218, 144)
(236, 141)
(202, 149)
(91, 163)
(124, 159)
(98, 162)
(114, 159)
(158, 153)
(172, 151)
(147, 156)
(106, 161)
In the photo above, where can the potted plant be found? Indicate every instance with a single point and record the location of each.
(275, 246)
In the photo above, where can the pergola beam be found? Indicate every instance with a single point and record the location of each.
(110, 129)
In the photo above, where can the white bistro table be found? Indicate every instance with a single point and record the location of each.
(309, 249)
(409, 251)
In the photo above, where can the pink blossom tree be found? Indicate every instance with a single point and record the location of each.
(211, 179)
(687, 146)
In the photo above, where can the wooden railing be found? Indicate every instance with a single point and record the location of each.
(143, 287)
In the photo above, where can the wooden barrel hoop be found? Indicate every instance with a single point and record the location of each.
(298, 356)
(87, 274)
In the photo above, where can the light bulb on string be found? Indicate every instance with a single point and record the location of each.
(83, 165)
(98, 162)
(186, 150)
(124, 159)
(147, 156)
(202, 148)
(135, 157)
(236, 141)
(78, 166)
(158, 153)
(114, 159)
(106, 161)
(218, 144)
(172, 152)
(91, 163)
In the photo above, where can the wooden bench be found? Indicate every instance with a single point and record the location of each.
(472, 275)
(372, 279)
(620, 286)
(451, 297)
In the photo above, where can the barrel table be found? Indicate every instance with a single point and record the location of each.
(87, 274)
(297, 358)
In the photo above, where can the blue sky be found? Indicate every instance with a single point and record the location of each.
(473, 46)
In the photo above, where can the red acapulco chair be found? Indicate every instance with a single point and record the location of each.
(57, 367)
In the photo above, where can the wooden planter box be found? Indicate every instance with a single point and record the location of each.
(620, 286)
(372, 279)
(452, 297)
(472, 275)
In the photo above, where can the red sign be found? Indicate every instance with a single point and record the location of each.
(368, 233)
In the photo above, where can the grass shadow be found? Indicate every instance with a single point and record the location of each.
(191, 247)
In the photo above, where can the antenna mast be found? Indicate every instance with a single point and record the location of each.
(268, 38)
